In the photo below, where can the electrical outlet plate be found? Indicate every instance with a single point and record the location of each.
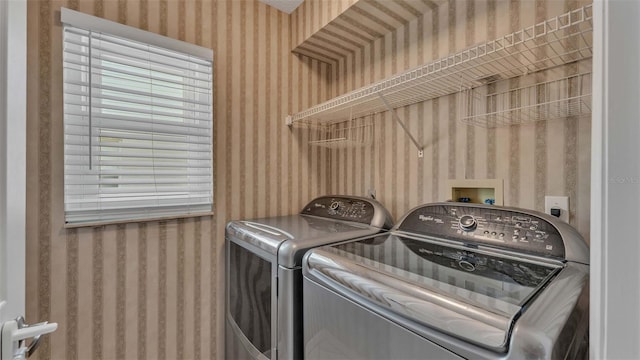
(372, 193)
(561, 202)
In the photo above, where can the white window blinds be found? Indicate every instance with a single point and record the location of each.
(137, 129)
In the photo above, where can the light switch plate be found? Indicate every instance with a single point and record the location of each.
(561, 202)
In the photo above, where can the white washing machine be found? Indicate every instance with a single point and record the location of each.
(451, 281)
(264, 271)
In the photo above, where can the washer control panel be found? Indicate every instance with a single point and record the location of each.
(492, 226)
(341, 208)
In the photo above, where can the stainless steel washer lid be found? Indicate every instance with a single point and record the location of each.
(289, 237)
(433, 285)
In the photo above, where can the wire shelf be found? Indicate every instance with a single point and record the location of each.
(564, 39)
(569, 96)
(348, 134)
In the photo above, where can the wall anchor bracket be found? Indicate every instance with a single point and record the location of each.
(404, 127)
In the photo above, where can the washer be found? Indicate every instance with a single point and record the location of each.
(451, 281)
(264, 273)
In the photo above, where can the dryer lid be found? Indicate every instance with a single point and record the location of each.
(289, 237)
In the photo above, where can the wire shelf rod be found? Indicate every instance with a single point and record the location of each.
(404, 127)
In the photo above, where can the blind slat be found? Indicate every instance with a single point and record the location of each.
(182, 155)
(105, 101)
(137, 146)
(71, 161)
(73, 132)
(128, 90)
(141, 213)
(139, 181)
(128, 49)
(127, 192)
(142, 78)
(145, 172)
(78, 32)
(100, 105)
(77, 117)
(141, 125)
(151, 117)
(159, 69)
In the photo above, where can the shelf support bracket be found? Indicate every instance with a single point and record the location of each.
(406, 130)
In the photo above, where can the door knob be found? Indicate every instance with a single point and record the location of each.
(31, 348)
(15, 334)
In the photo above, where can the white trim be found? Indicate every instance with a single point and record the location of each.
(598, 211)
(13, 74)
(93, 23)
(4, 34)
(615, 182)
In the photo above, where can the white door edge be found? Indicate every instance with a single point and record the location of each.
(615, 181)
(596, 247)
(13, 46)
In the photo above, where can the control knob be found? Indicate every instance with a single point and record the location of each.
(334, 205)
(467, 223)
(467, 266)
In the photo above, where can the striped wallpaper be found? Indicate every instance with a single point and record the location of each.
(151, 290)
(357, 26)
(548, 157)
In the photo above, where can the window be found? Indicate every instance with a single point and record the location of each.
(137, 123)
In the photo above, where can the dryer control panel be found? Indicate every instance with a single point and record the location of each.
(486, 225)
(355, 209)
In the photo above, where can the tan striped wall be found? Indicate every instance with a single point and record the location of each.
(154, 290)
(549, 157)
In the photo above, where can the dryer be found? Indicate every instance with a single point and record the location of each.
(264, 271)
(451, 281)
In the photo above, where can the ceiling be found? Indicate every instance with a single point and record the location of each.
(283, 5)
(360, 25)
